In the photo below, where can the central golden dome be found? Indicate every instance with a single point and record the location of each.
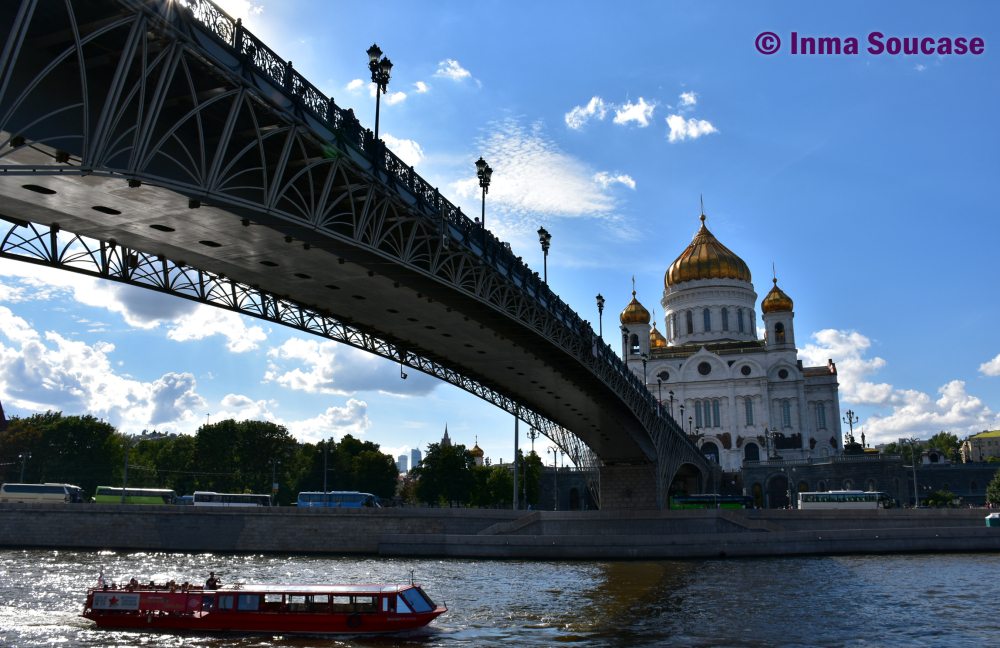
(706, 258)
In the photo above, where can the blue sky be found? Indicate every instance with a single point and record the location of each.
(867, 180)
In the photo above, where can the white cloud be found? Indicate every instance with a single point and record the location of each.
(408, 150)
(242, 9)
(533, 176)
(451, 69)
(920, 67)
(605, 179)
(394, 98)
(206, 321)
(325, 367)
(991, 368)
(689, 98)
(682, 129)
(639, 112)
(897, 412)
(354, 85)
(421, 87)
(49, 371)
(335, 422)
(580, 115)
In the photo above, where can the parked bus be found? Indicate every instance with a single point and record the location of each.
(41, 493)
(337, 499)
(208, 498)
(845, 499)
(711, 501)
(113, 495)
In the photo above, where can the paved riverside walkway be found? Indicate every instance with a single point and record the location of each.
(486, 533)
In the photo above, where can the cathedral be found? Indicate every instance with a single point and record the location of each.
(739, 397)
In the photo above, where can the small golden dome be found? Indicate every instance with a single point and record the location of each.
(706, 258)
(635, 313)
(776, 300)
(476, 451)
(656, 339)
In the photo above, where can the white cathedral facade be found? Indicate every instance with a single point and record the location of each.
(740, 397)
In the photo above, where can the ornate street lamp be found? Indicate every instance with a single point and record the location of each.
(671, 394)
(600, 315)
(380, 67)
(659, 394)
(545, 239)
(484, 172)
(850, 419)
(645, 359)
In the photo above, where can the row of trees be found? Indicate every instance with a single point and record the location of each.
(227, 456)
(246, 457)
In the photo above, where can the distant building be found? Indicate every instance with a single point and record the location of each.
(977, 448)
(401, 463)
(477, 453)
(446, 440)
(415, 458)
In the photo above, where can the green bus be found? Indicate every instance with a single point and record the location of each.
(114, 495)
(711, 501)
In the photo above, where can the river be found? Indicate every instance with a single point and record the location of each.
(907, 600)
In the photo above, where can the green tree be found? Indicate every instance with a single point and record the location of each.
(993, 490)
(79, 450)
(947, 443)
(904, 450)
(445, 475)
(940, 498)
(532, 478)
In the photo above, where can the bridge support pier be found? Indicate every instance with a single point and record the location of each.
(628, 487)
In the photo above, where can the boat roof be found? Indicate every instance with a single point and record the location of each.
(372, 588)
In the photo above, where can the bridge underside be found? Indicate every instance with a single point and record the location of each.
(128, 122)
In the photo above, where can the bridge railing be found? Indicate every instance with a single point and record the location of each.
(427, 198)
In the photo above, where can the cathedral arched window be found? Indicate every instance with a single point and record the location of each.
(748, 407)
(725, 319)
(715, 414)
(751, 452)
(786, 413)
(697, 415)
(633, 343)
(779, 333)
(706, 316)
(690, 322)
(820, 416)
(739, 319)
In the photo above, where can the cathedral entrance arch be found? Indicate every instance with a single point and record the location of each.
(751, 452)
(777, 492)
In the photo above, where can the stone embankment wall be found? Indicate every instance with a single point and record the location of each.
(466, 533)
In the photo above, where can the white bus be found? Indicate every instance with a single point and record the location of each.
(208, 498)
(41, 493)
(845, 499)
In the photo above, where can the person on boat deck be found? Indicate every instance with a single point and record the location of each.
(212, 583)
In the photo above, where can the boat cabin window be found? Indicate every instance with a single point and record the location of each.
(365, 604)
(417, 600)
(297, 602)
(385, 604)
(274, 598)
(226, 601)
(248, 602)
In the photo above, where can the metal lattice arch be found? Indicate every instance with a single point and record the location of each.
(162, 145)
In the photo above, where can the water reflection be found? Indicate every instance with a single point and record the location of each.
(876, 600)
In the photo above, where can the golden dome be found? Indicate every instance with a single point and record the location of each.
(706, 258)
(635, 313)
(476, 451)
(656, 339)
(776, 300)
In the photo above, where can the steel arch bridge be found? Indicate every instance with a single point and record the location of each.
(158, 143)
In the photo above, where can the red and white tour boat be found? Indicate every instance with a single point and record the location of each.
(284, 609)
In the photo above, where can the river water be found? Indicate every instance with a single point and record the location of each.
(909, 600)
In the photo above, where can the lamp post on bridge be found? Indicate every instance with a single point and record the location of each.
(645, 359)
(555, 477)
(659, 394)
(545, 239)
(671, 394)
(484, 172)
(600, 315)
(380, 67)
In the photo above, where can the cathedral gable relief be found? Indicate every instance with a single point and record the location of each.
(812, 443)
(726, 440)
